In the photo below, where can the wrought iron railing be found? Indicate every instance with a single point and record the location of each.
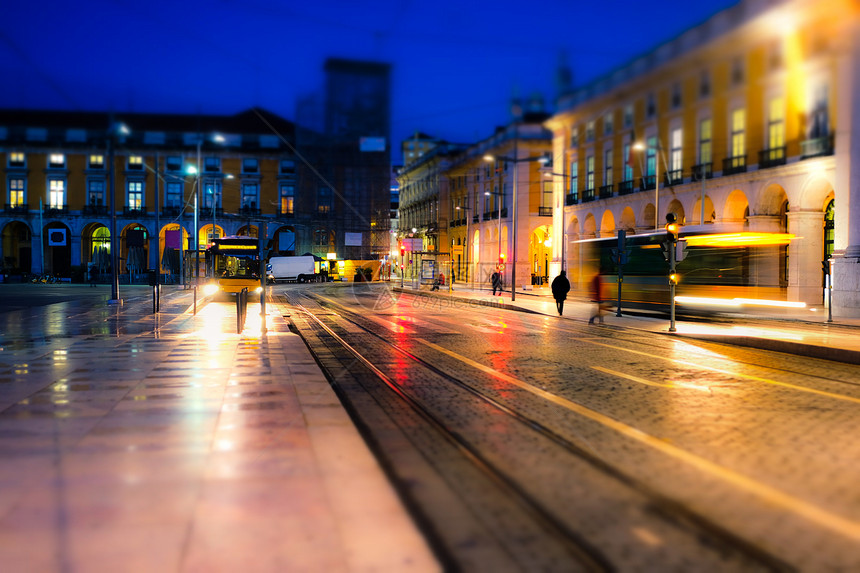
(736, 164)
(772, 157)
(606, 191)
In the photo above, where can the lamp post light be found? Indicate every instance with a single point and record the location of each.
(488, 194)
(116, 130)
(544, 159)
(548, 174)
(468, 244)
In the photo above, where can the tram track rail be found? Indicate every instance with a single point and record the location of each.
(588, 556)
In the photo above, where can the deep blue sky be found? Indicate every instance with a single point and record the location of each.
(456, 64)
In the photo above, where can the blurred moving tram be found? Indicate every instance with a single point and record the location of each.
(716, 272)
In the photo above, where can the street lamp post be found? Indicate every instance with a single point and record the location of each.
(115, 130)
(516, 161)
(499, 210)
(468, 243)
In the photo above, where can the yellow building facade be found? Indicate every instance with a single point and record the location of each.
(743, 123)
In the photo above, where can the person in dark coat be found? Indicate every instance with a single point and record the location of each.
(496, 279)
(93, 273)
(560, 287)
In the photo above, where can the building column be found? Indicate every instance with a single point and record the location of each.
(846, 255)
(805, 254)
(765, 266)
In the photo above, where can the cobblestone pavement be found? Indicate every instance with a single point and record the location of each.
(139, 442)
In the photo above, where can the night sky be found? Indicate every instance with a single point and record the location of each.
(456, 65)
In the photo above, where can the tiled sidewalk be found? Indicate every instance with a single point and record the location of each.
(187, 448)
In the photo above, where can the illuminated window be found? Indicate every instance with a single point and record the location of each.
(56, 193)
(589, 172)
(96, 192)
(324, 200)
(135, 195)
(628, 165)
(738, 139)
(211, 194)
(173, 195)
(16, 159)
(675, 142)
(97, 161)
(574, 178)
(546, 194)
(651, 156)
(250, 193)
(608, 126)
(705, 134)
(607, 167)
(135, 162)
(776, 123)
(287, 198)
(16, 191)
(57, 161)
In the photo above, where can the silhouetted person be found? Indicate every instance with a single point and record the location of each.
(496, 279)
(560, 287)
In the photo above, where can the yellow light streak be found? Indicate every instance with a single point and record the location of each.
(738, 302)
(739, 239)
(836, 523)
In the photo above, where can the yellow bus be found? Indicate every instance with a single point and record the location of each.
(234, 264)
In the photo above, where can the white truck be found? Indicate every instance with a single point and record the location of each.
(292, 269)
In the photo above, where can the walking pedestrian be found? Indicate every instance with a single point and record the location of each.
(496, 279)
(560, 287)
(92, 272)
(597, 299)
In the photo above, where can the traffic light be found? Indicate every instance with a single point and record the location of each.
(402, 251)
(502, 258)
(672, 227)
(673, 278)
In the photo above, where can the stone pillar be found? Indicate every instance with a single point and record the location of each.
(846, 256)
(765, 265)
(75, 245)
(805, 253)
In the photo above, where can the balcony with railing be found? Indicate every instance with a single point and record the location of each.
(133, 211)
(606, 191)
(816, 147)
(772, 157)
(489, 215)
(647, 183)
(544, 211)
(733, 165)
(702, 171)
(625, 187)
(96, 209)
(56, 210)
(17, 209)
(476, 218)
(571, 199)
(249, 211)
(171, 210)
(587, 195)
(289, 214)
(673, 177)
